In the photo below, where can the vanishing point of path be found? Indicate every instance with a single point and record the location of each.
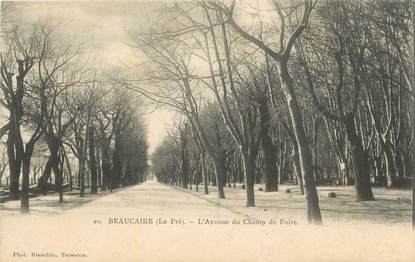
(152, 199)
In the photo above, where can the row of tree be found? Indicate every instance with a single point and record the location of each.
(322, 90)
(61, 106)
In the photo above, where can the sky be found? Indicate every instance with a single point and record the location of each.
(105, 25)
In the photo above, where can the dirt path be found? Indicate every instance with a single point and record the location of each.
(154, 222)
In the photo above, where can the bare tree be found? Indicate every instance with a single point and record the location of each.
(179, 89)
(281, 58)
(16, 62)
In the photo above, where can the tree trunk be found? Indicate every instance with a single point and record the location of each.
(106, 168)
(25, 179)
(43, 179)
(99, 169)
(268, 150)
(391, 171)
(270, 166)
(15, 162)
(82, 177)
(79, 172)
(58, 179)
(304, 149)
(204, 173)
(92, 162)
(360, 158)
(249, 179)
(297, 168)
(52, 164)
(196, 179)
(220, 170)
(184, 158)
(117, 165)
(343, 176)
(68, 165)
(58, 170)
(82, 160)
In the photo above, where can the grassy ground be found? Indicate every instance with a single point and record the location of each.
(391, 207)
(49, 204)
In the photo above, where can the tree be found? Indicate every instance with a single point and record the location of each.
(169, 70)
(63, 68)
(3, 164)
(16, 62)
(281, 58)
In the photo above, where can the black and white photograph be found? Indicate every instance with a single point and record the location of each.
(207, 130)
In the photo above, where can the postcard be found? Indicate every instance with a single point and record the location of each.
(207, 130)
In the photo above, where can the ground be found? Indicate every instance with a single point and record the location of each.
(155, 222)
(392, 206)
